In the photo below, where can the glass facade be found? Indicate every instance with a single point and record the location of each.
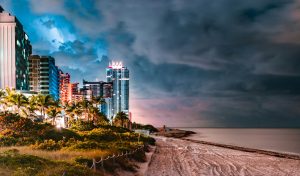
(119, 77)
(23, 51)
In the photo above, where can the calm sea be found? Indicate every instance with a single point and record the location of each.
(281, 140)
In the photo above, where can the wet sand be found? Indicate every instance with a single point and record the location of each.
(176, 157)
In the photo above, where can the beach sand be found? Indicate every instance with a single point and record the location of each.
(176, 157)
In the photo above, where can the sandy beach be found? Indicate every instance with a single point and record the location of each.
(176, 157)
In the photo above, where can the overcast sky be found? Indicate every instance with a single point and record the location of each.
(199, 63)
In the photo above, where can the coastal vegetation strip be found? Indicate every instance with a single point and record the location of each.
(77, 146)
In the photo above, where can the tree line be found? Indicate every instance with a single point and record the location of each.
(44, 108)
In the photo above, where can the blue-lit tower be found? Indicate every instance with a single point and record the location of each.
(118, 75)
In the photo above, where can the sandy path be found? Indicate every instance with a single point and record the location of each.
(175, 157)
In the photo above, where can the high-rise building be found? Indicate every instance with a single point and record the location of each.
(15, 50)
(49, 77)
(64, 81)
(44, 75)
(119, 76)
(34, 73)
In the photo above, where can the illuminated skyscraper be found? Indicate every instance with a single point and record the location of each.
(15, 50)
(119, 76)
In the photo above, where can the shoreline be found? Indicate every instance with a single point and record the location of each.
(182, 134)
(246, 149)
(176, 157)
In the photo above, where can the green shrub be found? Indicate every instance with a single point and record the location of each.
(80, 125)
(8, 141)
(29, 165)
(139, 156)
(47, 145)
(87, 145)
(148, 140)
(84, 161)
(100, 134)
(59, 134)
(16, 124)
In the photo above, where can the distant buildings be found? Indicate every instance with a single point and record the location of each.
(92, 89)
(95, 89)
(118, 75)
(15, 50)
(73, 93)
(64, 81)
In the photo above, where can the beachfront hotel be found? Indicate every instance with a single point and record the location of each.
(15, 48)
(44, 75)
(119, 76)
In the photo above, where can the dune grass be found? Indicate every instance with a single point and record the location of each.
(14, 163)
(60, 155)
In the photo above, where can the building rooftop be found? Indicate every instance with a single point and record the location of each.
(6, 17)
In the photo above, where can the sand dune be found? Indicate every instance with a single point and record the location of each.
(176, 157)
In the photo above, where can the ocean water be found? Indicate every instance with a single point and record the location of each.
(273, 139)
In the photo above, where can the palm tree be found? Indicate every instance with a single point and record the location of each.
(31, 108)
(98, 101)
(53, 112)
(2, 97)
(2, 94)
(72, 110)
(19, 101)
(8, 99)
(97, 116)
(85, 107)
(43, 102)
(121, 117)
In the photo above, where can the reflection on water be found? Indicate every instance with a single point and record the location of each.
(282, 140)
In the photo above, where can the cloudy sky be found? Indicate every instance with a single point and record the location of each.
(199, 63)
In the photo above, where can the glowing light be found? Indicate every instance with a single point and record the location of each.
(58, 126)
(116, 65)
(60, 123)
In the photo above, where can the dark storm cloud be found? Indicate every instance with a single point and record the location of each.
(208, 63)
(217, 50)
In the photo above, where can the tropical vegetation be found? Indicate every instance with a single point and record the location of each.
(43, 108)
(30, 132)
